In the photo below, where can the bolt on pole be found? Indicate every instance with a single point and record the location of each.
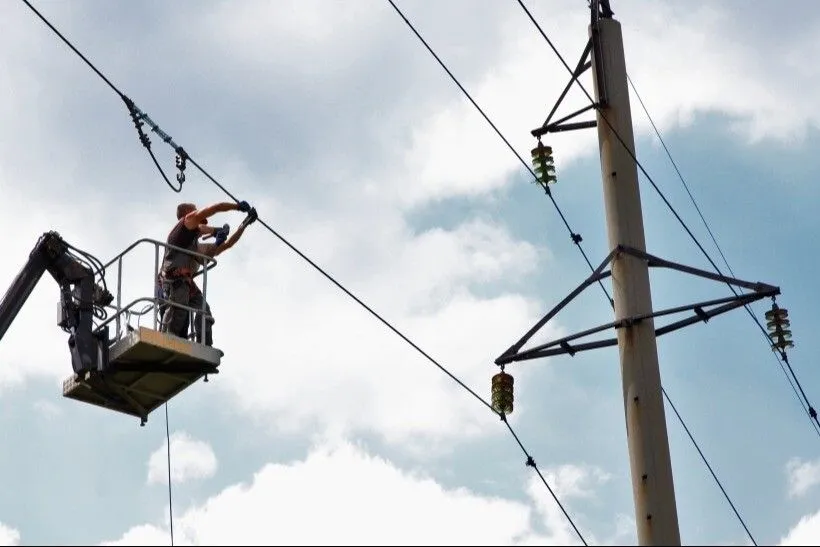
(652, 483)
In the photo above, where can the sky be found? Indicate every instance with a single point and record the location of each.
(324, 426)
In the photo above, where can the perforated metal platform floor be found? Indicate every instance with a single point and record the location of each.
(146, 369)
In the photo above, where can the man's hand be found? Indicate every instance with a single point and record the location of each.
(222, 235)
(243, 206)
(251, 218)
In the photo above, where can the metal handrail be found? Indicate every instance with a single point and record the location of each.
(153, 303)
(207, 263)
(156, 242)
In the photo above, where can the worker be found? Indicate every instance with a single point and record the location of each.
(176, 274)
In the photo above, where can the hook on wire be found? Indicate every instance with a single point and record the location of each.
(181, 163)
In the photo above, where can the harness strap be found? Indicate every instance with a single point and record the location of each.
(184, 274)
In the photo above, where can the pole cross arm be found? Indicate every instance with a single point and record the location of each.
(701, 311)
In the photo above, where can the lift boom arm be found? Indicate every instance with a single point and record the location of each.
(79, 294)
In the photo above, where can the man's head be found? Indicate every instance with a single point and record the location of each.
(185, 208)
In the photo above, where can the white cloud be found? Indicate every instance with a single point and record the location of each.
(577, 481)
(328, 361)
(9, 536)
(625, 530)
(145, 534)
(302, 504)
(569, 482)
(803, 475)
(684, 64)
(191, 459)
(805, 532)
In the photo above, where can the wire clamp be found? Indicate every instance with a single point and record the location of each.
(181, 163)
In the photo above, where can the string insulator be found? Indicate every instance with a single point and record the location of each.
(543, 164)
(502, 393)
(777, 321)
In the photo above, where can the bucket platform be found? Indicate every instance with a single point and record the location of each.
(145, 367)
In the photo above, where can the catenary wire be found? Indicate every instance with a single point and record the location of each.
(530, 461)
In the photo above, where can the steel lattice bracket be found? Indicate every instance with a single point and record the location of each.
(600, 9)
(550, 126)
(702, 311)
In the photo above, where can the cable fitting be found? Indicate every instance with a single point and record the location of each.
(137, 117)
(181, 163)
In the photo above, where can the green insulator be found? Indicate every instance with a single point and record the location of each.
(502, 393)
(543, 164)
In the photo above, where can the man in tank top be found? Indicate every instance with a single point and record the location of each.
(176, 273)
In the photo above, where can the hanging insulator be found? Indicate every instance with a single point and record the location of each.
(777, 321)
(543, 164)
(503, 393)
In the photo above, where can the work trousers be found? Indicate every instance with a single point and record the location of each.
(176, 320)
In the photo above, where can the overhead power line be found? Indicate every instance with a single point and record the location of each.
(529, 459)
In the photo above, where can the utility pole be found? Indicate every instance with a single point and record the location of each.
(653, 488)
(652, 484)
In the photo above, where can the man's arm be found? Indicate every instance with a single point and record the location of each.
(206, 249)
(206, 230)
(194, 219)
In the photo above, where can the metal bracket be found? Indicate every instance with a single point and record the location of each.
(599, 10)
(553, 127)
(700, 313)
